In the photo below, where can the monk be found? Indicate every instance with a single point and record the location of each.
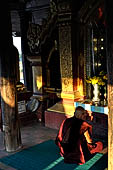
(74, 138)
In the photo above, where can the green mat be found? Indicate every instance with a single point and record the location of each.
(45, 156)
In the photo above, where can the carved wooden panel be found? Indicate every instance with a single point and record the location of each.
(66, 58)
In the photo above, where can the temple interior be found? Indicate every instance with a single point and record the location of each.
(58, 61)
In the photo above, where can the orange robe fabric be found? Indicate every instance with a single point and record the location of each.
(72, 142)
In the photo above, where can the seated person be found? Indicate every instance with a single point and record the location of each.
(74, 138)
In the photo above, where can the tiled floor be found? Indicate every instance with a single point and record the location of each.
(31, 134)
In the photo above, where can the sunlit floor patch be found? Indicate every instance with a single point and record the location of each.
(54, 163)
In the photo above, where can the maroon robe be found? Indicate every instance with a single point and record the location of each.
(72, 142)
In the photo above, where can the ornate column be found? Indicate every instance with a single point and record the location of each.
(71, 64)
(70, 60)
(109, 26)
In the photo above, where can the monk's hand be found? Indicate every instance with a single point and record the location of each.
(93, 145)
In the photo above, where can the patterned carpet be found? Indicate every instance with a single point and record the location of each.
(45, 156)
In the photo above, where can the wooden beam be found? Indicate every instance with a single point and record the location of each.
(109, 26)
(11, 130)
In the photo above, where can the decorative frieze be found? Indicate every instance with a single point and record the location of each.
(66, 58)
(33, 36)
(37, 34)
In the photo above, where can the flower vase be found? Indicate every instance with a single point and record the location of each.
(96, 94)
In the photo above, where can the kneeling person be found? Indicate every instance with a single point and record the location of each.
(74, 138)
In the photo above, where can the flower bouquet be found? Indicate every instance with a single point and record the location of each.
(100, 86)
(101, 79)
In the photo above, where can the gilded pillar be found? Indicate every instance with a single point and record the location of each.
(65, 49)
(66, 59)
(71, 85)
(71, 60)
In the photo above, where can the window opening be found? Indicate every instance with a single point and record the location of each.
(17, 44)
